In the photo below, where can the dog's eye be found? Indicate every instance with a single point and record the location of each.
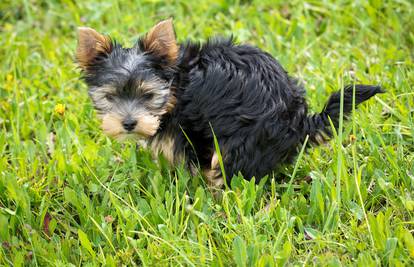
(148, 96)
(109, 97)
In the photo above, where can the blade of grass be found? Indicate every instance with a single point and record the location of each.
(358, 173)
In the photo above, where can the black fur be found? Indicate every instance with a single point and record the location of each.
(258, 113)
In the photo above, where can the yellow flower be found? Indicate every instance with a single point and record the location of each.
(9, 82)
(60, 109)
(9, 77)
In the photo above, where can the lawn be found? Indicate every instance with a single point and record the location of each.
(70, 196)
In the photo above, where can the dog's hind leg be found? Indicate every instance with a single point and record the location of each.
(213, 175)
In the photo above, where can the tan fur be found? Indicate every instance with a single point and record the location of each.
(172, 100)
(213, 175)
(161, 40)
(214, 161)
(90, 44)
(321, 138)
(111, 124)
(164, 145)
(149, 85)
(147, 125)
(214, 178)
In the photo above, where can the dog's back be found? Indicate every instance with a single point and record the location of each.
(257, 112)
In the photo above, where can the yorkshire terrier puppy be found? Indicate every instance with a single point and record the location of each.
(178, 96)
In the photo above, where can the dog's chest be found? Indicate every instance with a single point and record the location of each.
(163, 144)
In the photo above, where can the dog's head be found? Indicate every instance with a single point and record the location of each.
(131, 88)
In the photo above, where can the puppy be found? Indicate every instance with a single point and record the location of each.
(179, 97)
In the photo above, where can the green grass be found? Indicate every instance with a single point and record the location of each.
(70, 196)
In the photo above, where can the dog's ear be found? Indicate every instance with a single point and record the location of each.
(90, 45)
(161, 41)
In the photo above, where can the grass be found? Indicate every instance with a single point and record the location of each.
(70, 196)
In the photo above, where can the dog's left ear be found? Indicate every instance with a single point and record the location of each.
(161, 41)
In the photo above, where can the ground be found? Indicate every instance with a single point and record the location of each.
(70, 196)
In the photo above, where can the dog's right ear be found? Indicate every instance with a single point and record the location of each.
(161, 40)
(90, 45)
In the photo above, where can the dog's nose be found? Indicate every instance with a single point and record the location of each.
(129, 124)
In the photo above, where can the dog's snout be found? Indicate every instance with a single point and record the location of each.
(129, 124)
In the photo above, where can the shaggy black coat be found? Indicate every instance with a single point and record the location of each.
(257, 112)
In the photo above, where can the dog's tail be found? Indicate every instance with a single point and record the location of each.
(318, 126)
